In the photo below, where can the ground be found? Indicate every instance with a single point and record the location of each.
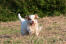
(53, 32)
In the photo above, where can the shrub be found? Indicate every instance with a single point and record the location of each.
(10, 8)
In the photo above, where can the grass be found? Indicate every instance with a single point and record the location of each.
(53, 32)
(6, 30)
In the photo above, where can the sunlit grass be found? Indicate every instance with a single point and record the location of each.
(54, 33)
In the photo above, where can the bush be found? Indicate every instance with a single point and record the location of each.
(10, 8)
(6, 16)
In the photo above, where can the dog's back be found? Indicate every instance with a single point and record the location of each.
(24, 27)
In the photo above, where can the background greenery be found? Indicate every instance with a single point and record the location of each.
(10, 8)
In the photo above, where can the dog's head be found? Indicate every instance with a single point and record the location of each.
(32, 19)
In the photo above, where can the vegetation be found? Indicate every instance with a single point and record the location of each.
(10, 8)
(53, 32)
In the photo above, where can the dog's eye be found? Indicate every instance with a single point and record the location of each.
(29, 19)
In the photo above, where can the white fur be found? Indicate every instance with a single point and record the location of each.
(26, 27)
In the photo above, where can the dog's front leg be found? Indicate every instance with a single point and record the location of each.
(37, 30)
(28, 29)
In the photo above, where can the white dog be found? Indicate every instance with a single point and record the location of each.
(29, 25)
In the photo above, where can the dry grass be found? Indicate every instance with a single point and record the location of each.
(53, 32)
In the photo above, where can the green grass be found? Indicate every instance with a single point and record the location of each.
(6, 30)
(54, 33)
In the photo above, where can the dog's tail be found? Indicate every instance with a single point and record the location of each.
(21, 19)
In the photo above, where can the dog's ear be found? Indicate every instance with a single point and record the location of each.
(27, 17)
(36, 16)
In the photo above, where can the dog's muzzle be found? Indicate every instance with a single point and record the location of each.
(32, 23)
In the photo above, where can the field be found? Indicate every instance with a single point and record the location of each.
(53, 32)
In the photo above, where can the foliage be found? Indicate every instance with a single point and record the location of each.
(10, 8)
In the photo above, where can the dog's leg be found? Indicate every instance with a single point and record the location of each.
(21, 19)
(37, 30)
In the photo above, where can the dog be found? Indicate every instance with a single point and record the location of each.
(29, 24)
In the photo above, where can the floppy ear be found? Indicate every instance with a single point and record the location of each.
(27, 17)
(36, 16)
